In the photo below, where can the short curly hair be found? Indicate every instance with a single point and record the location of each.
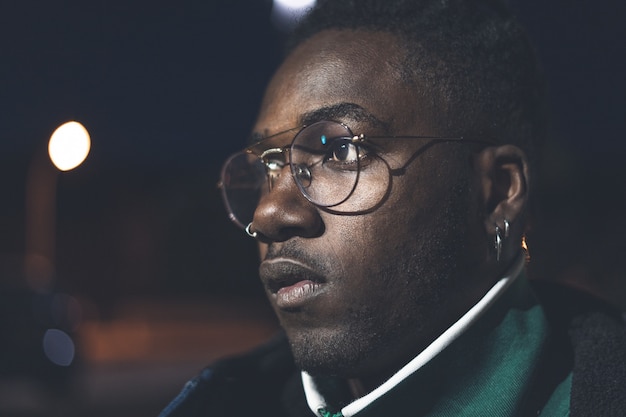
(470, 59)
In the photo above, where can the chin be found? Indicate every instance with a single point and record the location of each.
(349, 351)
(326, 355)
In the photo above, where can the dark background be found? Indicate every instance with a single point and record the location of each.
(167, 91)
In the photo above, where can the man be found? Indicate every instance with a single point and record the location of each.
(388, 183)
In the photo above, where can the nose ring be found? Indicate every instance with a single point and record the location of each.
(249, 230)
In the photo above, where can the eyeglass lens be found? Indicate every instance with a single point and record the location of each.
(325, 163)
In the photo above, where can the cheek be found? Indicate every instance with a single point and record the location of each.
(366, 191)
(391, 238)
(361, 245)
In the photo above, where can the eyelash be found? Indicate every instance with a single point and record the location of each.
(364, 153)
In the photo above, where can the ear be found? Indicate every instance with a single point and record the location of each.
(504, 176)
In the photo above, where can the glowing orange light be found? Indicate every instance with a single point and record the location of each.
(525, 247)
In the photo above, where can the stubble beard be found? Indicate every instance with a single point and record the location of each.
(365, 336)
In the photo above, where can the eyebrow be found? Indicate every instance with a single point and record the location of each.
(342, 111)
(333, 112)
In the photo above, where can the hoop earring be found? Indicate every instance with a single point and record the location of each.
(499, 239)
(250, 232)
(498, 243)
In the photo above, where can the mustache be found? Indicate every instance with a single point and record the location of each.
(291, 250)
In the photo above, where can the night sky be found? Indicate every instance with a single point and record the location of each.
(169, 89)
(151, 80)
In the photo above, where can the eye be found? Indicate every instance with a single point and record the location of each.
(342, 150)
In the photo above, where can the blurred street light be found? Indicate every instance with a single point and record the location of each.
(67, 148)
(38, 321)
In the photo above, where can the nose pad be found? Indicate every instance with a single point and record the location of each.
(303, 174)
(283, 212)
(272, 176)
(274, 161)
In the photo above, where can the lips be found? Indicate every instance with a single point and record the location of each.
(291, 283)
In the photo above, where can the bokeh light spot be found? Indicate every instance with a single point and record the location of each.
(69, 146)
(58, 347)
(287, 13)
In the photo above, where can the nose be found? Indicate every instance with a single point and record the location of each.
(284, 212)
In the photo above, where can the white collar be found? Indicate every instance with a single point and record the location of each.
(316, 401)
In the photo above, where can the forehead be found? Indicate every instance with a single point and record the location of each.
(334, 68)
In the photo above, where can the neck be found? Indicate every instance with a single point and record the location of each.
(365, 390)
(358, 388)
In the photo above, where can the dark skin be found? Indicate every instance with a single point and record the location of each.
(360, 295)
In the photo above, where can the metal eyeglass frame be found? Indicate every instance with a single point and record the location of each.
(354, 139)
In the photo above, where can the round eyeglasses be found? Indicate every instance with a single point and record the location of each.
(333, 169)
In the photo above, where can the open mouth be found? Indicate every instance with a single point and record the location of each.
(291, 283)
(281, 283)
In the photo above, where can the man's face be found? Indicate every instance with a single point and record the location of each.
(360, 294)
